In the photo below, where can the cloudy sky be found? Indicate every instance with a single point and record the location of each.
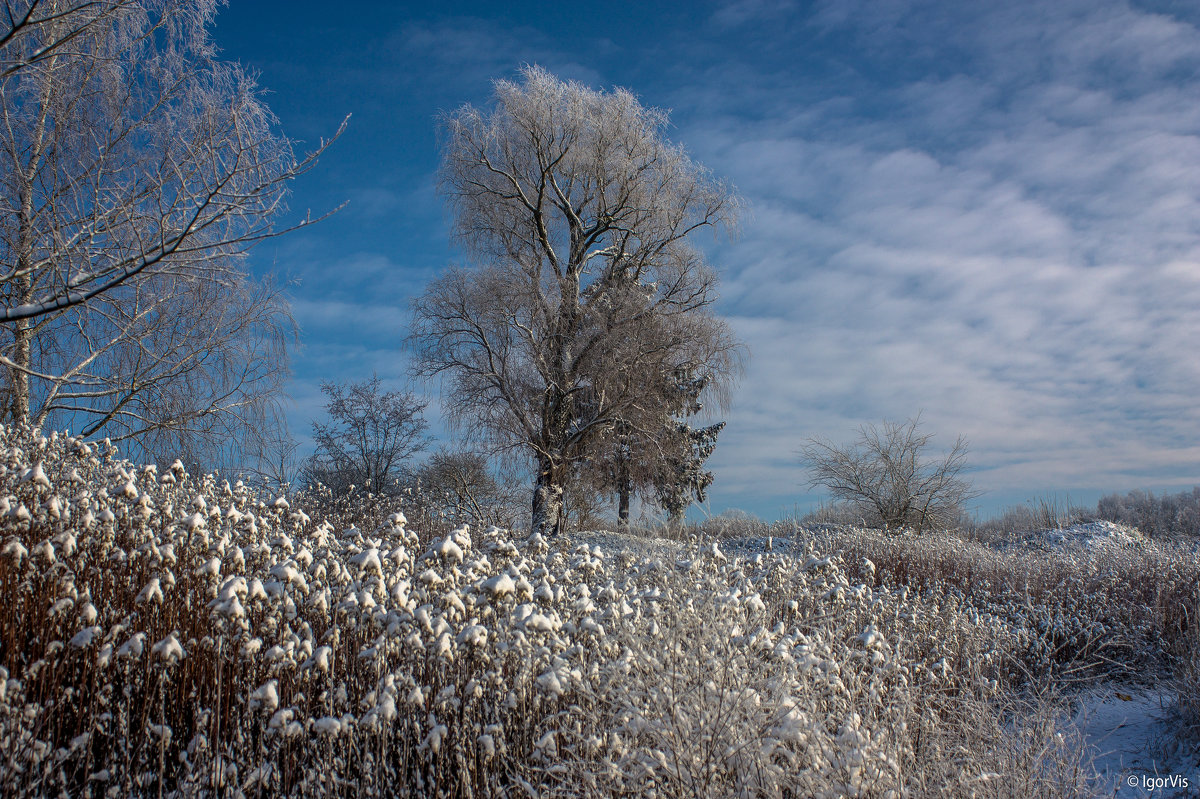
(985, 212)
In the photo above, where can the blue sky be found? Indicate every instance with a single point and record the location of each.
(987, 212)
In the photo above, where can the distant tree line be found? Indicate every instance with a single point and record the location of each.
(1161, 516)
(1166, 515)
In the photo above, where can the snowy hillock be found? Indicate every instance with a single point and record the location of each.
(1090, 535)
(170, 634)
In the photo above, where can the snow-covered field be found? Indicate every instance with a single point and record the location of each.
(170, 635)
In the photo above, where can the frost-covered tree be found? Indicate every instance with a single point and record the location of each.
(1165, 515)
(370, 436)
(52, 23)
(138, 168)
(584, 288)
(888, 477)
(460, 483)
(685, 479)
(172, 366)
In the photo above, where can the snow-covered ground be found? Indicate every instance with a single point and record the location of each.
(1131, 734)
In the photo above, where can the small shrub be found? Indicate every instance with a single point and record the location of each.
(887, 476)
(834, 513)
(1079, 610)
(1042, 513)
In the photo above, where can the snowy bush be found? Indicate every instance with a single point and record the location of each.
(166, 634)
(1188, 683)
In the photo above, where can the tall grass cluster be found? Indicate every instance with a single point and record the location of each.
(1084, 609)
(172, 635)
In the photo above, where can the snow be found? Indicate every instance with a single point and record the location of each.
(266, 696)
(151, 593)
(169, 649)
(869, 637)
(449, 550)
(474, 634)
(37, 476)
(328, 725)
(1090, 536)
(210, 568)
(368, 560)
(319, 659)
(133, 647)
(1131, 734)
(84, 637)
(500, 585)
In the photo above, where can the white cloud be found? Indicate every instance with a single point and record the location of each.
(1017, 253)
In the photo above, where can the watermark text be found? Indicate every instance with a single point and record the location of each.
(1157, 782)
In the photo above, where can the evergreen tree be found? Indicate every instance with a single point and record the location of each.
(682, 478)
(662, 461)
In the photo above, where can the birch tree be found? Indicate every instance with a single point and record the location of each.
(584, 287)
(55, 25)
(169, 365)
(136, 170)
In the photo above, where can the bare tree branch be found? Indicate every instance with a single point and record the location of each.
(131, 148)
(53, 26)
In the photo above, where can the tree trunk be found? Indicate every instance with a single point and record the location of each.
(547, 500)
(23, 328)
(624, 489)
(22, 341)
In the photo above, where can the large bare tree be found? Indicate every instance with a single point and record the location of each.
(136, 169)
(584, 289)
(888, 477)
(370, 436)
